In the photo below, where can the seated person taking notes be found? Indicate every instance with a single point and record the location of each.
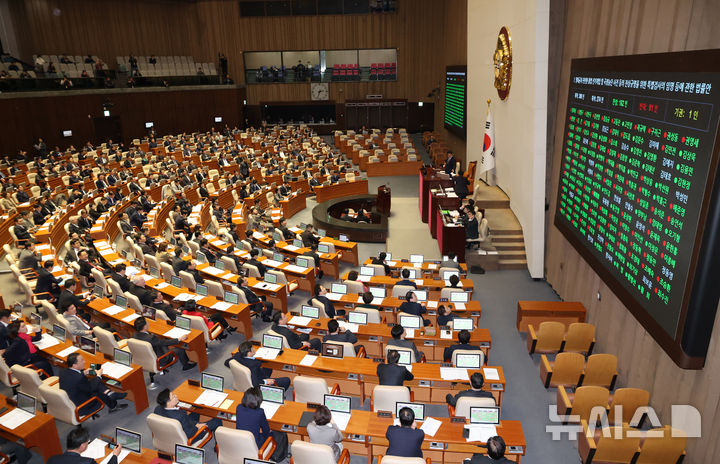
(77, 442)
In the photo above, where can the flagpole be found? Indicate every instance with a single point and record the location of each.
(486, 115)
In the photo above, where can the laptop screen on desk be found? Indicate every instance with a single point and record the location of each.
(405, 356)
(338, 288)
(182, 322)
(412, 271)
(421, 295)
(211, 381)
(322, 248)
(59, 332)
(99, 291)
(121, 300)
(297, 243)
(378, 292)
(176, 281)
(189, 455)
(201, 289)
(219, 264)
(273, 394)
(26, 402)
(417, 408)
(357, 317)
(410, 322)
(337, 403)
(332, 350)
(459, 297)
(343, 238)
(487, 415)
(148, 312)
(128, 439)
(322, 232)
(87, 344)
(200, 257)
(462, 323)
(154, 273)
(276, 237)
(446, 274)
(272, 341)
(122, 357)
(310, 311)
(417, 259)
(270, 278)
(367, 271)
(231, 297)
(303, 262)
(467, 360)
(278, 257)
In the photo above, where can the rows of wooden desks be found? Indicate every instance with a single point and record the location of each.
(348, 251)
(432, 285)
(39, 432)
(358, 377)
(374, 338)
(427, 267)
(341, 189)
(365, 432)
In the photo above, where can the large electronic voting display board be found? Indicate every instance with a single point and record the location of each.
(637, 195)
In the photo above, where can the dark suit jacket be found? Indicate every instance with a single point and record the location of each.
(406, 282)
(378, 261)
(404, 441)
(448, 352)
(329, 307)
(293, 339)
(143, 294)
(393, 374)
(69, 297)
(45, 281)
(452, 401)
(74, 458)
(483, 459)
(409, 307)
(287, 233)
(406, 344)
(71, 255)
(450, 165)
(471, 229)
(253, 420)
(159, 344)
(76, 385)
(346, 336)
(260, 266)
(4, 341)
(188, 421)
(121, 280)
(257, 372)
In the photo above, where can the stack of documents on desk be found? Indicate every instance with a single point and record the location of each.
(183, 297)
(490, 373)
(213, 270)
(364, 278)
(333, 296)
(271, 262)
(300, 320)
(308, 360)
(341, 419)
(349, 326)
(218, 243)
(67, 351)
(211, 398)
(46, 341)
(96, 449)
(270, 408)
(162, 285)
(131, 317)
(112, 310)
(480, 432)
(431, 426)
(453, 373)
(267, 353)
(131, 271)
(115, 370)
(176, 332)
(292, 247)
(15, 418)
(221, 306)
(294, 268)
(258, 236)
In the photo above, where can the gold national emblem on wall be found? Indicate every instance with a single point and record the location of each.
(503, 63)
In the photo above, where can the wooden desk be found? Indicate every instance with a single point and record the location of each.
(450, 236)
(133, 382)
(437, 202)
(374, 338)
(342, 189)
(365, 433)
(292, 205)
(357, 376)
(432, 268)
(435, 177)
(39, 432)
(535, 312)
(276, 293)
(146, 457)
(195, 343)
(429, 284)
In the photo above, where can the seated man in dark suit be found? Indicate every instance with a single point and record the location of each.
(295, 341)
(495, 453)
(398, 339)
(118, 275)
(258, 374)
(47, 282)
(4, 334)
(68, 297)
(405, 440)
(411, 306)
(178, 263)
(336, 334)
(381, 261)
(76, 443)
(476, 391)
(139, 289)
(392, 373)
(320, 292)
(160, 345)
(464, 344)
(80, 388)
(257, 303)
(346, 216)
(307, 236)
(287, 233)
(405, 273)
(253, 261)
(471, 227)
(167, 406)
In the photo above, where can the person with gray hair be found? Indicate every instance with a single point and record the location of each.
(139, 290)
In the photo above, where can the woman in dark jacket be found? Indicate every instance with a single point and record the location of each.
(251, 417)
(21, 350)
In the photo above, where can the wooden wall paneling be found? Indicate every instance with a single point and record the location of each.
(617, 27)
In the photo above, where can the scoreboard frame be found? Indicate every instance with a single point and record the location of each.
(688, 346)
(460, 132)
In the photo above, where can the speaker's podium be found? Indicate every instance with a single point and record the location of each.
(383, 200)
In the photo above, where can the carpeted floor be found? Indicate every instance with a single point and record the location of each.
(498, 292)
